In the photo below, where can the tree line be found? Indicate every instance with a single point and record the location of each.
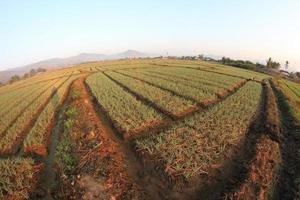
(250, 65)
(31, 73)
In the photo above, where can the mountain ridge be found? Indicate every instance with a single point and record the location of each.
(56, 63)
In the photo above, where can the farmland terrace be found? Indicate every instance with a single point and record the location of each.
(150, 129)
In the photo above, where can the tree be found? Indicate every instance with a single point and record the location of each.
(276, 65)
(14, 79)
(26, 75)
(286, 66)
(201, 57)
(272, 64)
(32, 72)
(41, 69)
(269, 62)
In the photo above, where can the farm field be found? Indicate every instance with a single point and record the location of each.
(150, 129)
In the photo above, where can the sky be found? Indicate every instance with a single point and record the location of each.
(34, 30)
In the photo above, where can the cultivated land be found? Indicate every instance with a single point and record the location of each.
(150, 129)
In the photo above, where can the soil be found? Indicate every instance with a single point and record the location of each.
(102, 172)
(262, 174)
(258, 173)
(272, 118)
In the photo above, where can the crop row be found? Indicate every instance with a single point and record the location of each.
(210, 82)
(189, 92)
(205, 88)
(289, 186)
(128, 114)
(17, 177)
(286, 87)
(16, 95)
(294, 87)
(15, 111)
(168, 102)
(39, 78)
(37, 138)
(193, 146)
(239, 72)
(202, 77)
(20, 96)
(16, 131)
(219, 68)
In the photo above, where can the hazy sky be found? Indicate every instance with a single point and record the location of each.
(33, 30)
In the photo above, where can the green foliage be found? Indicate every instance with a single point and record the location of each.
(240, 63)
(291, 91)
(273, 64)
(75, 94)
(65, 159)
(69, 123)
(71, 112)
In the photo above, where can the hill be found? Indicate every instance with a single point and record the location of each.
(55, 63)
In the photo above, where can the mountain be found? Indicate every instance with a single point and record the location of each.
(130, 54)
(55, 63)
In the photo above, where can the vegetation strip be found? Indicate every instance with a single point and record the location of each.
(9, 123)
(224, 69)
(49, 183)
(288, 186)
(205, 70)
(162, 88)
(41, 81)
(165, 145)
(37, 139)
(129, 115)
(201, 88)
(9, 144)
(201, 82)
(190, 93)
(257, 172)
(8, 107)
(292, 89)
(161, 100)
(203, 97)
(158, 109)
(200, 77)
(192, 78)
